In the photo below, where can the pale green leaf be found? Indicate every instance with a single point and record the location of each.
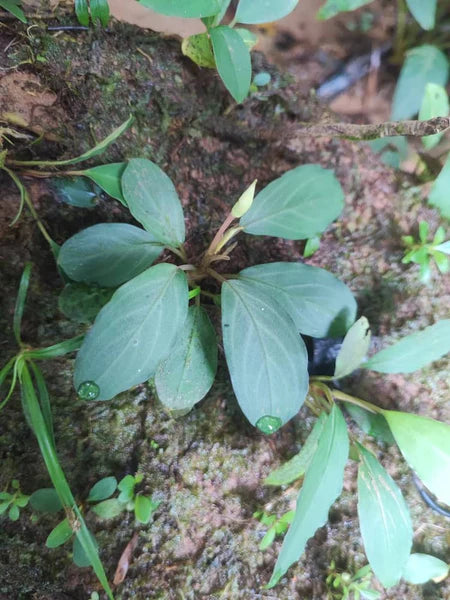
(298, 205)
(333, 7)
(108, 509)
(414, 351)
(445, 247)
(421, 568)
(20, 301)
(322, 485)
(263, 11)
(319, 304)
(266, 357)
(133, 332)
(424, 64)
(153, 201)
(144, 507)
(108, 254)
(354, 348)
(59, 534)
(424, 11)
(108, 178)
(14, 512)
(311, 246)
(440, 192)
(191, 9)
(187, 374)
(250, 40)
(232, 60)
(425, 445)
(46, 500)
(99, 10)
(102, 489)
(384, 520)
(434, 104)
(199, 49)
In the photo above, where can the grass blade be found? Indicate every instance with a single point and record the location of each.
(20, 302)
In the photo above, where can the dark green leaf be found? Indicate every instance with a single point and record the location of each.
(322, 485)
(144, 507)
(264, 11)
(20, 302)
(108, 254)
(13, 6)
(153, 201)
(100, 10)
(187, 374)
(4, 506)
(372, 424)
(108, 509)
(434, 104)
(420, 568)
(80, 558)
(133, 332)
(232, 60)
(82, 12)
(75, 191)
(298, 465)
(108, 178)
(424, 64)
(319, 304)
(384, 520)
(102, 489)
(425, 445)
(413, 351)
(46, 500)
(333, 7)
(354, 348)
(81, 302)
(60, 534)
(296, 206)
(266, 357)
(424, 11)
(439, 196)
(192, 9)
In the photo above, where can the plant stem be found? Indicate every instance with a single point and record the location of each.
(219, 235)
(338, 395)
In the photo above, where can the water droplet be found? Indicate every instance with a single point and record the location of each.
(269, 424)
(88, 390)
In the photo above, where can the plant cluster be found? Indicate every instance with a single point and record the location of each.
(424, 252)
(92, 10)
(13, 501)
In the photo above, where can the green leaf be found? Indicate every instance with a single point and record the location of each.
(445, 247)
(424, 64)
(250, 40)
(99, 10)
(133, 332)
(322, 485)
(439, 196)
(187, 374)
(298, 465)
(199, 49)
(22, 500)
(59, 534)
(333, 7)
(14, 513)
(233, 61)
(74, 191)
(57, 349)
(108, 178)
(319, 304)
(20, 302)
(126, 486)
(296, 206)
(266, 357)
(434, 104)
(413, 351)
(423, 11)
(420, 568)
(46, 500)
(82, 12)
(442, 261)
(6, 496)
(144, 507)
(264, 11)
(4, 506)
(372, 424)
(268, 539)
(81, 302)
(13, 6)
(102, 489)
(108, 254)
(189, 9)
(44, 401)
(80, 558)
(384, 520)
(108, 509)
(391, 150)
(425, 445)
(311, 246)
(153, 201)
(424, 229)
(354, 348)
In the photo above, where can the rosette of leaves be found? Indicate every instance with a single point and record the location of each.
(424, 253)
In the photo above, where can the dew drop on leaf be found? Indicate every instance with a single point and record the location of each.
(88, 390)
(269, 424)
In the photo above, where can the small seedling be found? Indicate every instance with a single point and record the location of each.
(424, 253)
(276, 526)
(344, 586)
(13, 501)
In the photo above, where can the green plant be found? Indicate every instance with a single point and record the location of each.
(276, 526)
(345, 586)
(93, 10)
(423, 252)
(13, 502)
(14, 7)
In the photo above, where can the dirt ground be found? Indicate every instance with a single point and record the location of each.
(206, 468)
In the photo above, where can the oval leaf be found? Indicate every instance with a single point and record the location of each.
(144, 508)
(108, 254)
(323, 484)
(75, 191)
(82, 12)
(320, 305)
(133, 332)
(187, 374)
(198, 48)
(296, 206)
(264, 11)
(232, 60)
(420, 568)
(102, 489)
(81, 302)
(439, 196)
(108, 509)
(46, 500)
(424, 12)
(354, 348)
(413, 351)
(192, 9)
(266, 357)
(384, 520)
(153, 201)
(434, 104)
(60, 534)
(108, 178)
(425, 445)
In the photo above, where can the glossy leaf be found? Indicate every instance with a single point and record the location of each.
(46, 500)
(108, 509)
(413, 351)
(421, 568)
(153, 201)
(384, 520)
(20, 302)
(108, 178)
(434, 104)
(80, 558)
(425, 445)
(187, 374)
(298, 465)
(144, 507)
(439, 195)
(108, 254)
(82, 12)
(232, 60)
(354, 348)
(13, 6)
(424, 11)
(192, 9)
(424, 64)
(99, 10)
(263, 11)
(102, 489)
(81, 302)
(59, 535)
(333, 7)
(199, 49)
(134, 331)
(322, 485)
(319, 304)
(75, 192)
(266, 357)
(296, 206)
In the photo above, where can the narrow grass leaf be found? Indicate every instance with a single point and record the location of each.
(82, 12)
(108, 178)
(80, 558)
(354, 348)
(233, 61)
(421, 568)
(44, 400)
(191, 9)
(13, 6)
(264, 11)
(60, 349)
(100, 10)
(20, 302)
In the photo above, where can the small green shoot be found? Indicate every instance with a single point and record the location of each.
(13, 501)
(423, 252)
(345, 586)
